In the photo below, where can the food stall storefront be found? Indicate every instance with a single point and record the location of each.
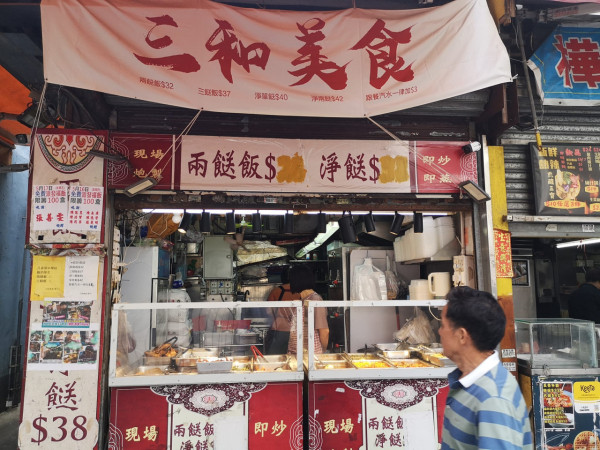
(185, 370)
(366, 325)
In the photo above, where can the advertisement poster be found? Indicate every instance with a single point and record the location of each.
(565, 411)
(85, 208)
(558, 405)
(66, 314)
(62, 348)
(50, 207)
(566, 179)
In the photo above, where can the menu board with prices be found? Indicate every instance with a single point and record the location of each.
(566, 179)
(558, 405)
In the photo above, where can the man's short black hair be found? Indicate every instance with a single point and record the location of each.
(285, 274)
(301, 278)
(479, 313)
(592, 275)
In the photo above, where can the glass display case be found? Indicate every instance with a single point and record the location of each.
(556, 343)
(195, 343)
(410, 347)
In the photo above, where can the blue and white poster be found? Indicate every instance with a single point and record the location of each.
(567, 67)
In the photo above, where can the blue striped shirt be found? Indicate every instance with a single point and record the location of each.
(489, 413)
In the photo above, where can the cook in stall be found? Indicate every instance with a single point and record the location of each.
(302, 281)
(584, 303)
(278, 335)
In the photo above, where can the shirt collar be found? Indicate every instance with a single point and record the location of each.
(305, 293)
(486, 365)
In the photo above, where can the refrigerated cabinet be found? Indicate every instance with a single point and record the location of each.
(558, 375)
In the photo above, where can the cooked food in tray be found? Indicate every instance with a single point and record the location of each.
(409, 363)
(166, 349)
(190, 357)
(370, 364)
(329, 365)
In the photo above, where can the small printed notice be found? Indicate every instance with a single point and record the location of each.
(69, 278)
(48, 277)
(85, 208)
(81, 277)
(50, 207)
(62, 349)
(59, 313)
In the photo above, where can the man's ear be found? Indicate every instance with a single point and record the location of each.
(463, 335)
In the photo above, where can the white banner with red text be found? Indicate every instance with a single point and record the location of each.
(314, 165)
(204, 55)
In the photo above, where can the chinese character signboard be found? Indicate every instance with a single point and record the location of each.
(257, 416)
(146, 155)
(375, 414)
(566, 179)
(294, 165)
(566, 67)
(207, 55)
(59, 410)
(67, 187)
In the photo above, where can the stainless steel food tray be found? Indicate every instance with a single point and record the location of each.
(151, 370)
(189, 357)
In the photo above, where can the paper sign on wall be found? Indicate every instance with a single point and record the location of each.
(70, 277)
(81, 277)
(47, 278)
(50, 207)
(85, 207)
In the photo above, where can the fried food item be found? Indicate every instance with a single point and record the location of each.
(165, 349)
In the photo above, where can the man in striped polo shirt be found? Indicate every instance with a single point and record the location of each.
(485, 408)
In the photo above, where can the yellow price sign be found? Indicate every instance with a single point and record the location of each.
(586, 391)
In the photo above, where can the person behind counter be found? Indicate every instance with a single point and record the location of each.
(584, 302)
(484, 408)
(278, 335)
(302, 281)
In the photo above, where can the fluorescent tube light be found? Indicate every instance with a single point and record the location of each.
(578, 243)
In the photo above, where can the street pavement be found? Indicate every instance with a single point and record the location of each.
(9, 428)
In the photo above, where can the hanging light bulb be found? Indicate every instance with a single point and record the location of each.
(185, 223)
(347, 228)
(205, 223)
(322, 223)
(288, 223)
(369, 222)
(230, 222)
(176, 217)
(418, 222)
(256, 223)
(396, 226)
